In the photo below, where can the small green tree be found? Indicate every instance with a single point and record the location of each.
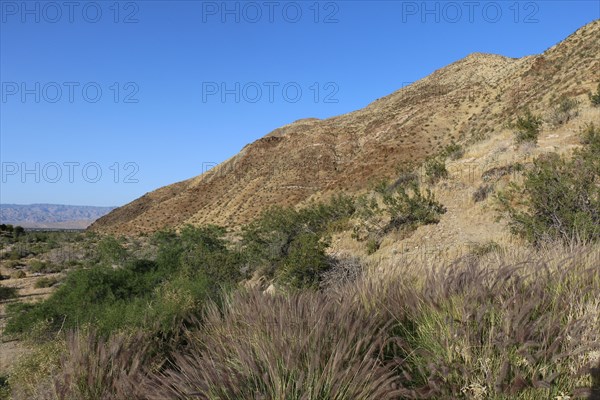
(528, 127)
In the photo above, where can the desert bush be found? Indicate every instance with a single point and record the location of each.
(559, 199)
(39, 266)
(482, 249)
(564, 110)
(495, 173)
(19, 275)
(435, 170)
(4, 388)
(527, 127)
(395, 207)
(111, 251)
(305, 262)
(411, 207)
(111, 299)
(283, 242)
(590, 134)
(7, 292)
(45, 282)
(453, 151)
(14, 264)
(595, 97)
(345, 269)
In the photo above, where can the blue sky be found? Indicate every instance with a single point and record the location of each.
(104, 101)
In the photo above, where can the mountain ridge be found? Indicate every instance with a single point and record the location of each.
(310, 158)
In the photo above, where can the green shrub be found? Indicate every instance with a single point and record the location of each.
(38, 266)
(305, 262)
(595, 97)
(590, 134)
(528, 127)
(111, 251)
(14, 264)
(435, 170)
(7, 292)
(564, 110)
(411, 207)
(45, 282)
(281, 237)
(559, 199)
(107, 298)
(453, 151)
(372, 245)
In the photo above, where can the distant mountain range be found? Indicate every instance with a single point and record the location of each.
(51, 216)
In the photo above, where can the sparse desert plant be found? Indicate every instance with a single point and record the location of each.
(559, 199)
(344, 270)
(45, 282)
(595, 97)
(527, 127)
(372, 245)
(481, 249)
(435, 170)
(453, 151)
(19, 274)
(39, 266)
(7, 292)
(564, 110)
(590, 134)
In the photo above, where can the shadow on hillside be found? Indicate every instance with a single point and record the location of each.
(595, 394)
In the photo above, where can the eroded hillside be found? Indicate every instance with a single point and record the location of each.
(468, 101)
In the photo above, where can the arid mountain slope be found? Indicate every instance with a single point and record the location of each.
(470, 99)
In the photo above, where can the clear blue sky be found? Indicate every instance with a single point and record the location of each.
(161, 108)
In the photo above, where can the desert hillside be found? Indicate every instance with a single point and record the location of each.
(470, 102)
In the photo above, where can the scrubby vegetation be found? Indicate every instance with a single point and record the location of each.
(564, 110)
(527, 127)
(559, 198)
(595, 97)
(516, 324)
(267, 312)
